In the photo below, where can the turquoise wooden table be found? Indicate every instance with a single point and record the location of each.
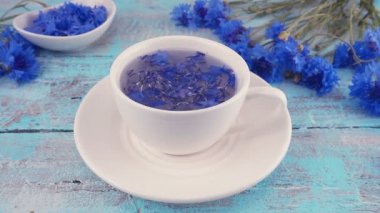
(333, 164)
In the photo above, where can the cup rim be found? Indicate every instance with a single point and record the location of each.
(114, 81)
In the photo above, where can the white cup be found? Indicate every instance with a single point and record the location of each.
(184, 132)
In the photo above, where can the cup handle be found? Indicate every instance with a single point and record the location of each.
(269, 92)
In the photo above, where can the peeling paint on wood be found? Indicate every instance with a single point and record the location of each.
(338, 169)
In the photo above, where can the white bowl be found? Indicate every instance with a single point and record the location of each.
(65, 43)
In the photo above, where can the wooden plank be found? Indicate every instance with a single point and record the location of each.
(335, 110)
(324, 170)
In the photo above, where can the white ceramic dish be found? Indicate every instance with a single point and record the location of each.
(248, 153)
(65, 43)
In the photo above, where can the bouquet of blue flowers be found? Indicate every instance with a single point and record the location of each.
(296, 43)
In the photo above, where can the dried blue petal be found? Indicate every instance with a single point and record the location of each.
(136, 96)
(208, 77)
(369, 47)
(211, 92)
(197, 59)
(159, 58)
(208, 103)
(191, 65)
(181, 84)
(158, 103)
(231, 80)
(169, 73)
(68, 19)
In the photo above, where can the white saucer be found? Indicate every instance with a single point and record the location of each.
(250, 151)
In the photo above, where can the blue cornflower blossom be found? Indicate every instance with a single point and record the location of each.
(244, 49)
(289, 55)
(369, 47)
(23, 63)
(200, 10)
(196, 60)
(17, 58)
(217, 12)
(5, 60)
(343, 56)
(237, 37)
(285, 57)
(366, 87)
(319, 74)
(10, 34)
(275, 30)
(69, 19)
(183, 15)
(262, 64)
(204, 14)
(366, 50)
(232, 32)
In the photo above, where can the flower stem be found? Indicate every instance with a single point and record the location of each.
(21, 4)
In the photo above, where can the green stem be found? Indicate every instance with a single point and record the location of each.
(356, 57)
(8, 18)
(21, 4)
(305, 15)
(350, 23)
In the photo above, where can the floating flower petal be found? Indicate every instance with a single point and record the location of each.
(164, 81)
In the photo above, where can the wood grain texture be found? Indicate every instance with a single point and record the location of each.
(329, 170)
(333, 164)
